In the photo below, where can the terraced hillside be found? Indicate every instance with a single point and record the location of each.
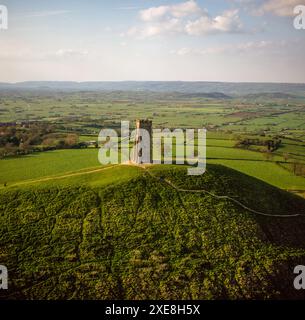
(157, 233)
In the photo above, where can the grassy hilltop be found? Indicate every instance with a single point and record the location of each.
(136, 233)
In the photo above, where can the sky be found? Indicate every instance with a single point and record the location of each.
(178, 40)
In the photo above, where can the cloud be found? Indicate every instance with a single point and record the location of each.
(207, 51)
(280, 8)
(182, 51)
(185, 9)
(177, 11)
(257, 47)
(254, 46)
(70, 53)
(184, 18)
(154, 13)
(32, 54)
(227, 22)
(168, 26)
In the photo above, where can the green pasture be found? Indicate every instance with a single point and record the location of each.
(39, 165)
(65, 162)
(269, 172)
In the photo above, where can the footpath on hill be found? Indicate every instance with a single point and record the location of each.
(168, 182)
(220, 197)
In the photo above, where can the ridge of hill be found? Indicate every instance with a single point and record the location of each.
(225, 88)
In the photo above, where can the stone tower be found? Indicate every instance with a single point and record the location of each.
(142, 152)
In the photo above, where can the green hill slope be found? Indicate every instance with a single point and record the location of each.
(148, 238)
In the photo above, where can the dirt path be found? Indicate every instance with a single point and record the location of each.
(221, 197)
(68, 175)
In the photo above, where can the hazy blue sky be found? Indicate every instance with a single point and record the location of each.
(212, 40)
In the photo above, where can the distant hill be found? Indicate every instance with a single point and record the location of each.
(270, 95)
(211, 95)
(225, 88)
(145, 239)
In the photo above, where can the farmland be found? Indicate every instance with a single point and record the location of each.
(228, 121)
(71, 228)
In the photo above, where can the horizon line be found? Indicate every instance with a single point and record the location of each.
(120, 81)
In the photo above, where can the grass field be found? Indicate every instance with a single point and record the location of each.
(46, 164)
(269, 172)
(64, 162)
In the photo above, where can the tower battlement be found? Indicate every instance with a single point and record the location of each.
(143, 124)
